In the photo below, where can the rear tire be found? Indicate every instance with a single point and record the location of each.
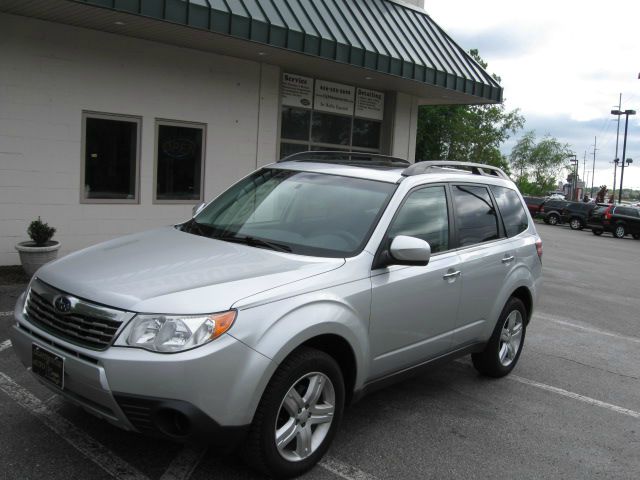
(620, 231)
(304, 421)
(502, 352)
(575, 224)
(597, 233)
(553, 219)
(636, 236)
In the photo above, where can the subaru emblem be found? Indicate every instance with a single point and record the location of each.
(62, 304)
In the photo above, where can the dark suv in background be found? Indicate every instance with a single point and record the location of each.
(576, 214)
(551, 211)
(616, 219)
(556, 211)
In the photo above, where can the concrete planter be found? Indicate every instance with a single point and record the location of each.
(32, 257)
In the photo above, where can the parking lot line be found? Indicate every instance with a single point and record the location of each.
(4, 345)
(6, 314)
(564, 322)
(85, 444)
(183, 465)
(575, 396)
(344, 470)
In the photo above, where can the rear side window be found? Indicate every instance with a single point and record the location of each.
(424, 215)
(476, 218)
(513, 213)
(630, 212)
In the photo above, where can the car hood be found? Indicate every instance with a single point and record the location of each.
(170, 271)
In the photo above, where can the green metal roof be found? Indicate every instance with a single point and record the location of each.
(379, 35)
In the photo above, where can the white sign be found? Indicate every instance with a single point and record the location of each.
(297, 91)
(334, 97)
(370, 104)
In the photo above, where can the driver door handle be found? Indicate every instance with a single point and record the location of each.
(508, 259)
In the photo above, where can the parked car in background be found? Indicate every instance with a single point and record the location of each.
(551, 211)
(576, 214)
(534, 204)
(615, 219)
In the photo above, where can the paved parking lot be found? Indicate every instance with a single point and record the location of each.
(571, 408)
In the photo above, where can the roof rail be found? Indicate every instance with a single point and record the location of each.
(359, 159)
(474, 168)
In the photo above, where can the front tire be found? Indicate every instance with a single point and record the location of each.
(553, 219)
(502, 352)
(620, 231)
(298, 415)
(636, 236)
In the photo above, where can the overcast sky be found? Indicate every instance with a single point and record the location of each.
(563, 64)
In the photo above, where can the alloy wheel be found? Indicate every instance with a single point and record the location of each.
(305, 416)
(620, 231)
(553, 219)
(575, 224)
(510, 338)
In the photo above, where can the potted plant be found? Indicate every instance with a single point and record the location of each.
(40, 250)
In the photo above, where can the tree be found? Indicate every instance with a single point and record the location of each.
(466, 133)
(538, 164)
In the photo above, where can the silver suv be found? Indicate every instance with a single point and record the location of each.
(302, 287)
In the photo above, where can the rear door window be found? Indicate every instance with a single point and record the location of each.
(476, 218)
(511, 209)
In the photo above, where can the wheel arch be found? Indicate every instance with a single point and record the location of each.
(524, 295)
(342, 352)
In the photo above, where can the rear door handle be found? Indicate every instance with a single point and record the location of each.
(452, 275)
(508, 259)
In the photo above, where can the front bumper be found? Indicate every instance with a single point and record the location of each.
(208, 391)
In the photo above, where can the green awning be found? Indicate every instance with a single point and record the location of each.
(379, 35)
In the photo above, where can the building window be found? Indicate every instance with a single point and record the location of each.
(322, 115)
(110, 158)
(179, 162)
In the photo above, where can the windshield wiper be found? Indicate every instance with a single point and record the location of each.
(193, 227)
(255, 242)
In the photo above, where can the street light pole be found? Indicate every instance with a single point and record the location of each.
(626, 113)
(615, 166)
(574, 183)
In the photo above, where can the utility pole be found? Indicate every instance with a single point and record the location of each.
(584, 167)
(615, 161)
(593, 170)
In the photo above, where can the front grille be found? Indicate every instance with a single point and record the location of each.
(82, 330)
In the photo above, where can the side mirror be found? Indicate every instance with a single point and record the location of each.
(198, 208)
(409, 251)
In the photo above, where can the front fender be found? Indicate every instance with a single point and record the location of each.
(276, 329)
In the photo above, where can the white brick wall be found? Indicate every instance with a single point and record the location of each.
(50, 73)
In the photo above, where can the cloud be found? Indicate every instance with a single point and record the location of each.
(562, 64)
(504, 42)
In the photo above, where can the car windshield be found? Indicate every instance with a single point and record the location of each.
(300, 212)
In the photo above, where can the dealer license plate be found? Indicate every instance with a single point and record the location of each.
(47, 365)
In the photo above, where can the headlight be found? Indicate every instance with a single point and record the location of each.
(175, 333)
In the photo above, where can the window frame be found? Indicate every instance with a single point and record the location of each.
(178, 123)
(453, 239)
(137, 119)
(501, 230)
